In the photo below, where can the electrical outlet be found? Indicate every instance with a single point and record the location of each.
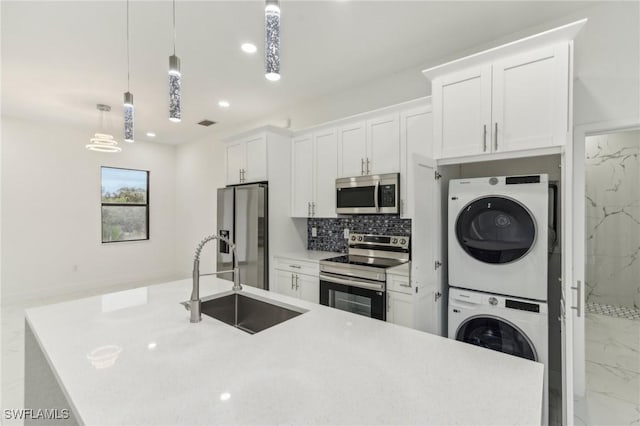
(314, 231)
(346, 233)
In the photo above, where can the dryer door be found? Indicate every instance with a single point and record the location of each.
(495, 230)
(498, 335)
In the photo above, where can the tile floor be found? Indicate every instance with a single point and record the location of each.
(613, 372)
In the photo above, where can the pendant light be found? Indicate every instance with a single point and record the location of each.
(128, 97)
(175, 107)
(103, 142)
(272, 40)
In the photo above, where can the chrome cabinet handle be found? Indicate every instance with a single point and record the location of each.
(297, 279)
(368, 170)
(291, 281)
(484, 139)
(240, 174)
(313, 209)
(362, 166)
(495, 136)
(578, 290)
(405, 285)
(295, 266)
(308, 209)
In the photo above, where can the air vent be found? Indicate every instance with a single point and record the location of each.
(206, 123)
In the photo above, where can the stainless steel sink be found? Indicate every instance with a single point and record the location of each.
(248, 312)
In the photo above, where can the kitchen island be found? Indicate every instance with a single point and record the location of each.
(133, 357)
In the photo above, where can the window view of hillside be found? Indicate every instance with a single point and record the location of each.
(125, 204)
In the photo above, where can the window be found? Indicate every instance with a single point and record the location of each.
(125, 204)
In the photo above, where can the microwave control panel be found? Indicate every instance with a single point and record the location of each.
(387, 195)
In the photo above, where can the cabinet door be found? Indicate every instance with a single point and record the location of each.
(383, 145)
(235, 162)
(352, 150)
(462, 113)
(416, 137)
(302, 176)
(256, 159)
(286, 283)
(326, 171)
(308, 288)
(400, 309)
(530, 99)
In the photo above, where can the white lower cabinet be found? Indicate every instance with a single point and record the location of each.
(400, 308)
(296, 278)
(411, 306)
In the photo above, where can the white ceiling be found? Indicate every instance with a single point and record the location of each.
(61, 58)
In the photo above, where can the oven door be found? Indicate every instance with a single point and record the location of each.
(362, 297)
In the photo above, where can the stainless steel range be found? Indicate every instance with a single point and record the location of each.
(356, 282)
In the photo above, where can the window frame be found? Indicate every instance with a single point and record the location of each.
(146, 205)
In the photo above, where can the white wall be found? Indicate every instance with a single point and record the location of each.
(200, 171)
(51, 216)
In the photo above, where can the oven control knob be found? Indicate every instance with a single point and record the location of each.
(353, 238)
(395, 241)
(359, 238)
(403, 241)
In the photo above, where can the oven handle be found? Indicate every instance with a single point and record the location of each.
(370, 285)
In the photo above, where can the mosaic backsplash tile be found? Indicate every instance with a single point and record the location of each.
(330, 235)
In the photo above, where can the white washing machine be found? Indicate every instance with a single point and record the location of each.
(498, 235)
(510, 325)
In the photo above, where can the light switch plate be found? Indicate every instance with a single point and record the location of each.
(314, 231)
(346, 233)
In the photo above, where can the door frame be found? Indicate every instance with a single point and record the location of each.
(574, 258)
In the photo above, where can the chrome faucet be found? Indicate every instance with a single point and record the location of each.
(195, 302)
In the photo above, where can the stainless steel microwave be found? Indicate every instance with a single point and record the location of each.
(377, 194)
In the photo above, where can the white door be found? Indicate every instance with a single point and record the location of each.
(462, 113)
(326, 171)
(530, 99)
(352, 150)
(256, 170)
(308, 288)
(416, 137)
(383, 145)
(235, 162)
(400, 309)
(302, 176)
(286, 283)
(425, 234)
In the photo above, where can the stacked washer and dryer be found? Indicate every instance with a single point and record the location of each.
(498, 255)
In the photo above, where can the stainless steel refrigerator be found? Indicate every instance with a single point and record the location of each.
(243, 218)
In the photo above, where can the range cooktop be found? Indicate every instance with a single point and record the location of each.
(374, 262)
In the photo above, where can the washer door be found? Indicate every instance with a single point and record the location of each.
(495, 230)
(498, 335)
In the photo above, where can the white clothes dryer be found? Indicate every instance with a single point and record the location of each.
(510, 325)
(498, 235)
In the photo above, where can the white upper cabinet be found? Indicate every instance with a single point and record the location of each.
(302, 176)
(325, 165)
(352, 149)
(416, 137)
(462, 112)
(530, 99)
(247, 160)
(510, 103)
(369, 147)
(314, 173)
(383, 145)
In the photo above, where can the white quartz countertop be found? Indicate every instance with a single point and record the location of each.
(323, 367)
(309, 255)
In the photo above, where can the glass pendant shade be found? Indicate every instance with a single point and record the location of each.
(128, 117)
(175, 107)
(272, 40)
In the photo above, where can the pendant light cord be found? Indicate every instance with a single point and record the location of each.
(128, 50)
(174, 27)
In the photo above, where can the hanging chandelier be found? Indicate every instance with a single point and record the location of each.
(272, 40)
(128, 96)
(103, 142)
(175, 83)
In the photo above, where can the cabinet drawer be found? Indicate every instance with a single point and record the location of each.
(399, 283)
(297, 266)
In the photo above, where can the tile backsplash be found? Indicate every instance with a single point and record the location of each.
(330, 232)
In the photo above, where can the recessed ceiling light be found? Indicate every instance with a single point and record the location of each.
(224, 104)
(249, 47)
(151, 134)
